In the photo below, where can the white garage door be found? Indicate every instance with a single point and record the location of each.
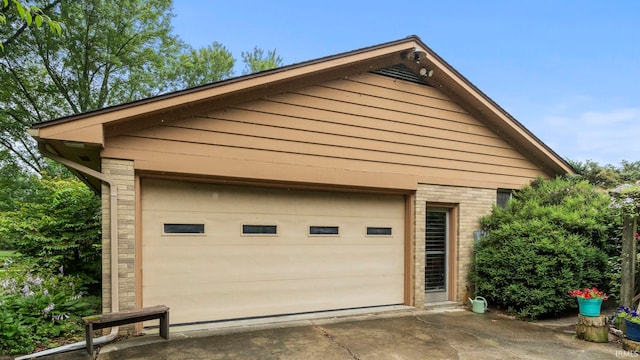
(213, 252)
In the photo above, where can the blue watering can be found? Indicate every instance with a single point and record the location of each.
(479, 305)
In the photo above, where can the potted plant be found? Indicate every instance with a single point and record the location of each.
(618, 317)
(628, 321)
(589, 300)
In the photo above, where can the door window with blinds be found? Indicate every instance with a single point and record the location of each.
(436, 249)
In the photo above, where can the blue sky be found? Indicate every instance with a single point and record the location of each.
(567, 70)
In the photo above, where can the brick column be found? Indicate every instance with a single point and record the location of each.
(122, 173)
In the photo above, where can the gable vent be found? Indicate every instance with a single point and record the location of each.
(401, 72)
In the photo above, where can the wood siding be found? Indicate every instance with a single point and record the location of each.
(365, 130)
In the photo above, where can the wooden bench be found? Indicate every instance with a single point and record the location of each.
(96, 322)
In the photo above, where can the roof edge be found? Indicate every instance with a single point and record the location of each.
(412, 43)
(230, 81)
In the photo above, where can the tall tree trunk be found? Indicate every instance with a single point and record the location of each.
(628, 275)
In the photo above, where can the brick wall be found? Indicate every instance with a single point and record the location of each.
(470, 204)
(122, 172)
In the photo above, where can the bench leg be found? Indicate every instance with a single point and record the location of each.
(88, 330)
(164, 325)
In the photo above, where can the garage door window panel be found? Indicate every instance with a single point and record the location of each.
(259, 230)
(324, 230)
(182, 229)
(379, 231)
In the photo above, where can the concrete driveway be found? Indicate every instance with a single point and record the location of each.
(412, 334)
(402, 335)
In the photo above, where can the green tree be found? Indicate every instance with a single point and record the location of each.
(111, 52)
(16, 184)
(607, 176)
(257, 61)
(196, 67)
(630, 172)
(553, 236)
(19, 186)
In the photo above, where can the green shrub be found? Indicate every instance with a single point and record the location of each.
(552, 237)
(59, 225)
(37, 309)
(614, 274)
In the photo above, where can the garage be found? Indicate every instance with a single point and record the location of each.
(217, 252)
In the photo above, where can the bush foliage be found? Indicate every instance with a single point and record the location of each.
(58, 225)
(552, 237)
(36, 309)
(54, 228)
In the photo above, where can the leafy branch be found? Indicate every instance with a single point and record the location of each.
(31, 15)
